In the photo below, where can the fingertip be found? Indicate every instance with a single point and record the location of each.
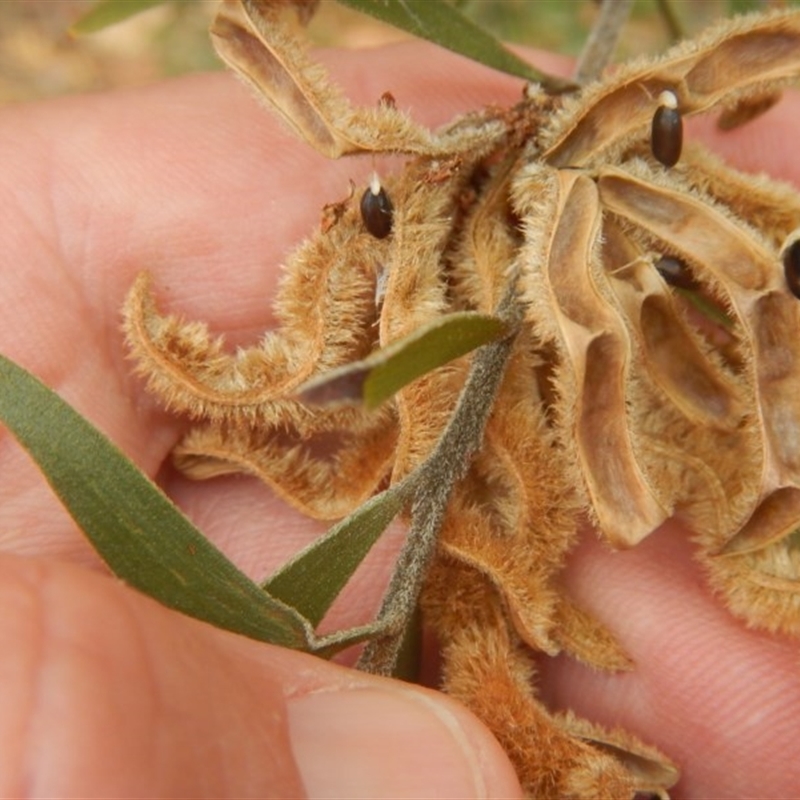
(106, 693)
(383, 739)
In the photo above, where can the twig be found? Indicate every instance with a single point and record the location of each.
(602, 40)
(447, 465)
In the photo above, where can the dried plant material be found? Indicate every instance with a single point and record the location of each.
(489, 670)
(650, 771)
(761, 585)
(325, 477)
(746, 110)
(740, 267)
(581, 636)
(434, 482)
(729, 63)
(596, 354)
(252, 38)
(327, 320)
(649, 365)
(772, 208)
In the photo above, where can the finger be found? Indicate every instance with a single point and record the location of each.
(721, 700)
(764, 145)
(107, 694)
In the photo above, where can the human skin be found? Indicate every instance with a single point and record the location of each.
(105, 693)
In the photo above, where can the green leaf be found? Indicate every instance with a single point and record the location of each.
(312, 580)
(443, 24)
(110, 12)
(377, 377)
(140, 534)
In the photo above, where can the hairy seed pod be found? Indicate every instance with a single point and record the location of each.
(618, 398)
(376, 209)
(666, 134)
(791, 265)
(675, 273)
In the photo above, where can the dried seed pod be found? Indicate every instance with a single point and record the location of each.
(666, 132)
(615, 404)
(253, 38)
(746, 109)
(295, 467)
(717, 69)
(790, 255)
(596, 353)
(376, 209)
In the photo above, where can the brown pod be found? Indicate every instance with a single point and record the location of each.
(666, 134)
(376, 209)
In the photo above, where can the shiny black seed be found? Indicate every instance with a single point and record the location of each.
(376, 211)
(791, 267)
(666, 135)
(675, 273)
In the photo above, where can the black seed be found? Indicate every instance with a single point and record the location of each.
(666, 135)
(675, 273)
(791, 267)
(376, 211)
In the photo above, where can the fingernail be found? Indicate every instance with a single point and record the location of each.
(398, 743)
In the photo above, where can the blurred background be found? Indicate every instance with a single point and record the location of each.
(40, 57)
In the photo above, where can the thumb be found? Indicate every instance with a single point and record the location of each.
(108, 694)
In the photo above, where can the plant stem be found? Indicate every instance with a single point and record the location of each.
(434, 483)
(602, 40)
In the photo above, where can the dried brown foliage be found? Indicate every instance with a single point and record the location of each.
(619, 400)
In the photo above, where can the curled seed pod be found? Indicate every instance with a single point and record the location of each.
(791, 263)
(666, 134)
(675, 272)
(376, 209)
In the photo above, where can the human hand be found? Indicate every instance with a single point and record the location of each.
(109, 694)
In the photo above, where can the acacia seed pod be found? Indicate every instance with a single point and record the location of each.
(376, 209)
(791, 265)
(666, 134)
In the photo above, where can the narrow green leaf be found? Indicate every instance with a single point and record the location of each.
(109, 12)
(443, 24)
(140, 534)
(312, 580)
(377, 377)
